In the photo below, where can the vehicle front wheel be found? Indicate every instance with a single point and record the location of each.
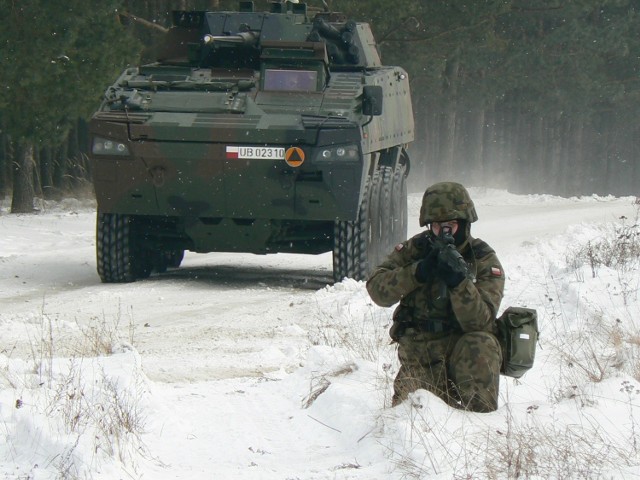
(120, 257)
(350, 243)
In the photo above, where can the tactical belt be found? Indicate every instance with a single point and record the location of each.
(432, 326)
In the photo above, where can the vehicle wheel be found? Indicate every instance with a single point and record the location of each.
(119, 255)
(399, 206)
(361, 245)
(381, 216)
(350, 243)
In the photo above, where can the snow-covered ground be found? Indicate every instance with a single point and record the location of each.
(257, 367)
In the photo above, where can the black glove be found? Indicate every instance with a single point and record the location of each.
(451, 267)
(426, 268)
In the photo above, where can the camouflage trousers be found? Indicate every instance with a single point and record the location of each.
(461, 369)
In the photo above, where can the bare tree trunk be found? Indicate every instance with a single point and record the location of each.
(560, 175)
(489, 150)
(598, 157)
(432, 147)
(499, 161)
(60, 168)
(423, 149)
(46, 173)
(555, 155)
(518, 152)
(576, 172)
(476, 146)
(37, 182)
(635, 166)
(4, 165)
(536, 146)
(448, 127)
(23, 195)
(76, 167)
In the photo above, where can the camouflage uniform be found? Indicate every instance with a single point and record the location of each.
(446, 336)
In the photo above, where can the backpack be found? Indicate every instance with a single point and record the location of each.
(518, 335)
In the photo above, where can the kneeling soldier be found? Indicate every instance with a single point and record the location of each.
(449, 286)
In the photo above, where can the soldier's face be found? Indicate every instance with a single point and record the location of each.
(451, 226)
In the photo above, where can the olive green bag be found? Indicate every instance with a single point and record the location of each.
(518, 335)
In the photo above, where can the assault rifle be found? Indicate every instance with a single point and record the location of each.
(449, 255)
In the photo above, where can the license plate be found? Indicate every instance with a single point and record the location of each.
(259, 153)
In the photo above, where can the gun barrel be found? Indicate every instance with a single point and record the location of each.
(241, 38)
(326, 30)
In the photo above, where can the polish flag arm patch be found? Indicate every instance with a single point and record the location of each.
(496, 272)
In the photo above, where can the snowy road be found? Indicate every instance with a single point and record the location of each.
(220, 338)
(219, 315)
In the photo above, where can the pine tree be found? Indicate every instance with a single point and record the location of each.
(56, 60)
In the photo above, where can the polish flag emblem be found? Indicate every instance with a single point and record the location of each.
(232, 152)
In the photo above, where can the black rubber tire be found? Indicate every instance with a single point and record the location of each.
(119, 256)
(399, 206)
(350, 243)
(380, 216)
(362, 245)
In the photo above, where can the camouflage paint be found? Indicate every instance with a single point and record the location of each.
(447, 201)
(178, 117)
(446, 336)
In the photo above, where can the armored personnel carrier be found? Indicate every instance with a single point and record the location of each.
(259, 132)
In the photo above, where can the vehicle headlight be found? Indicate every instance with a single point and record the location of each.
(343, 152)
(105, 146)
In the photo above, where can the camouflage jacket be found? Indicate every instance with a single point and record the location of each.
(471, 306)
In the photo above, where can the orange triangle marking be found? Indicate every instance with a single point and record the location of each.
(294, 156)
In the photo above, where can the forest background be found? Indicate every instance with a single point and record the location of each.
(535, 96)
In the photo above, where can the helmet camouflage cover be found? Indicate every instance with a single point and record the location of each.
(447, 201)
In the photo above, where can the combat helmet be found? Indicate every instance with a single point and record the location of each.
(447, 201)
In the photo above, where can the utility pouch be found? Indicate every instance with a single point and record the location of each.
(518, 335)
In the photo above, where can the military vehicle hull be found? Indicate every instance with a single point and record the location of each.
(218, 158)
